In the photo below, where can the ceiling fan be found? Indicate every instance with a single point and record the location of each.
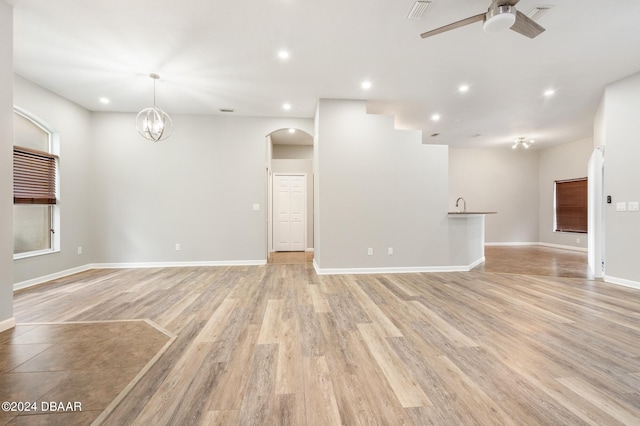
(500, 16)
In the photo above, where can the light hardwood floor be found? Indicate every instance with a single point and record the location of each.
(277, 344)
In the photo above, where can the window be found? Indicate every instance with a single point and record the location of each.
(571, 205)
(35, 176)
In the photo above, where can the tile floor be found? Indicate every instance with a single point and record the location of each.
(45, 363)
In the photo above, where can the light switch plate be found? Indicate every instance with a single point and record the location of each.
(634, 206)
(256, 207)
(621, 206)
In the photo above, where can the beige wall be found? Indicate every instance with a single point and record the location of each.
(72, 126)
(196, 188)
(292, 152)
(6, 165)
(379, 187)
(621, 128)
(566, 161)
(502, 180)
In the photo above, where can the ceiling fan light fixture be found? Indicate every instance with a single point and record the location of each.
(499, 18)
(522, 142)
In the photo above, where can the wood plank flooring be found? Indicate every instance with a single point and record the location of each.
(535, 260)
(278, 344)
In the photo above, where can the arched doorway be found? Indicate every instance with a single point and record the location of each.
(290, 166)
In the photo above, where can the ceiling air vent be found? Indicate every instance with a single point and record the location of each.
(226, 110)
(418, 9)
(538, 12)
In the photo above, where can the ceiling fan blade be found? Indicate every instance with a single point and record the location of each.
(526, 26)
(455, 25)
(506, 2)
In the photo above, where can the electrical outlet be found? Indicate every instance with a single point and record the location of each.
(177, 246)
(577, 240)
(256, 207)
(634, 206)
(390, 250)
(370, 251)
(79, 249)
(621, 206)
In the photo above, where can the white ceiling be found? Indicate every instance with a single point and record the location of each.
(223, 54)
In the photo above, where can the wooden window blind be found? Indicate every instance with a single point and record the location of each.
(34, 176)
(571, 205)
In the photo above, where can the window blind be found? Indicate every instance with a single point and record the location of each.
(34, 176)
(571, 205)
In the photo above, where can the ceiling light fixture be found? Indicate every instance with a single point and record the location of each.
(521, 141)
(153, 123)
(283, 54)
(292, 131)
(104, 101)
(435, 117)
(463, 88)
(549, 92)
(499, 18)
(366, 85)
(286, 107)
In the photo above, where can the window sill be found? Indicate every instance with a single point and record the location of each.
(34, 254)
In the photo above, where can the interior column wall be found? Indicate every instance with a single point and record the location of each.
(622, 180)
(380, 188)
(6, 166)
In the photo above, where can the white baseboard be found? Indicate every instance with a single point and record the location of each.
(395, 270)
(511, 244)
(621, 281)
(7, 324)
(50, 277)
(558, 246)
(178, 264)
(40, 280)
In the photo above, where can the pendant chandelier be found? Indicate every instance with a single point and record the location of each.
(153, 123)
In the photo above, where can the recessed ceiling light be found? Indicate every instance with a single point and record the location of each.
(104, 100)
(286, 107)
(283, 54)
(463, 88)
(366, 85)
(292, 131)
(435, 117)
(549, 92)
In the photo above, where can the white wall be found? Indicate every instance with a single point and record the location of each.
(72, 124)
(502, 180)
(621, 127)
(6, 166)
(292, 152)
(299, 166)
(379, 187)
(566, 161)
(196, 188)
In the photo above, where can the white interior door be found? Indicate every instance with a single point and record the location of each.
(290, 200)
